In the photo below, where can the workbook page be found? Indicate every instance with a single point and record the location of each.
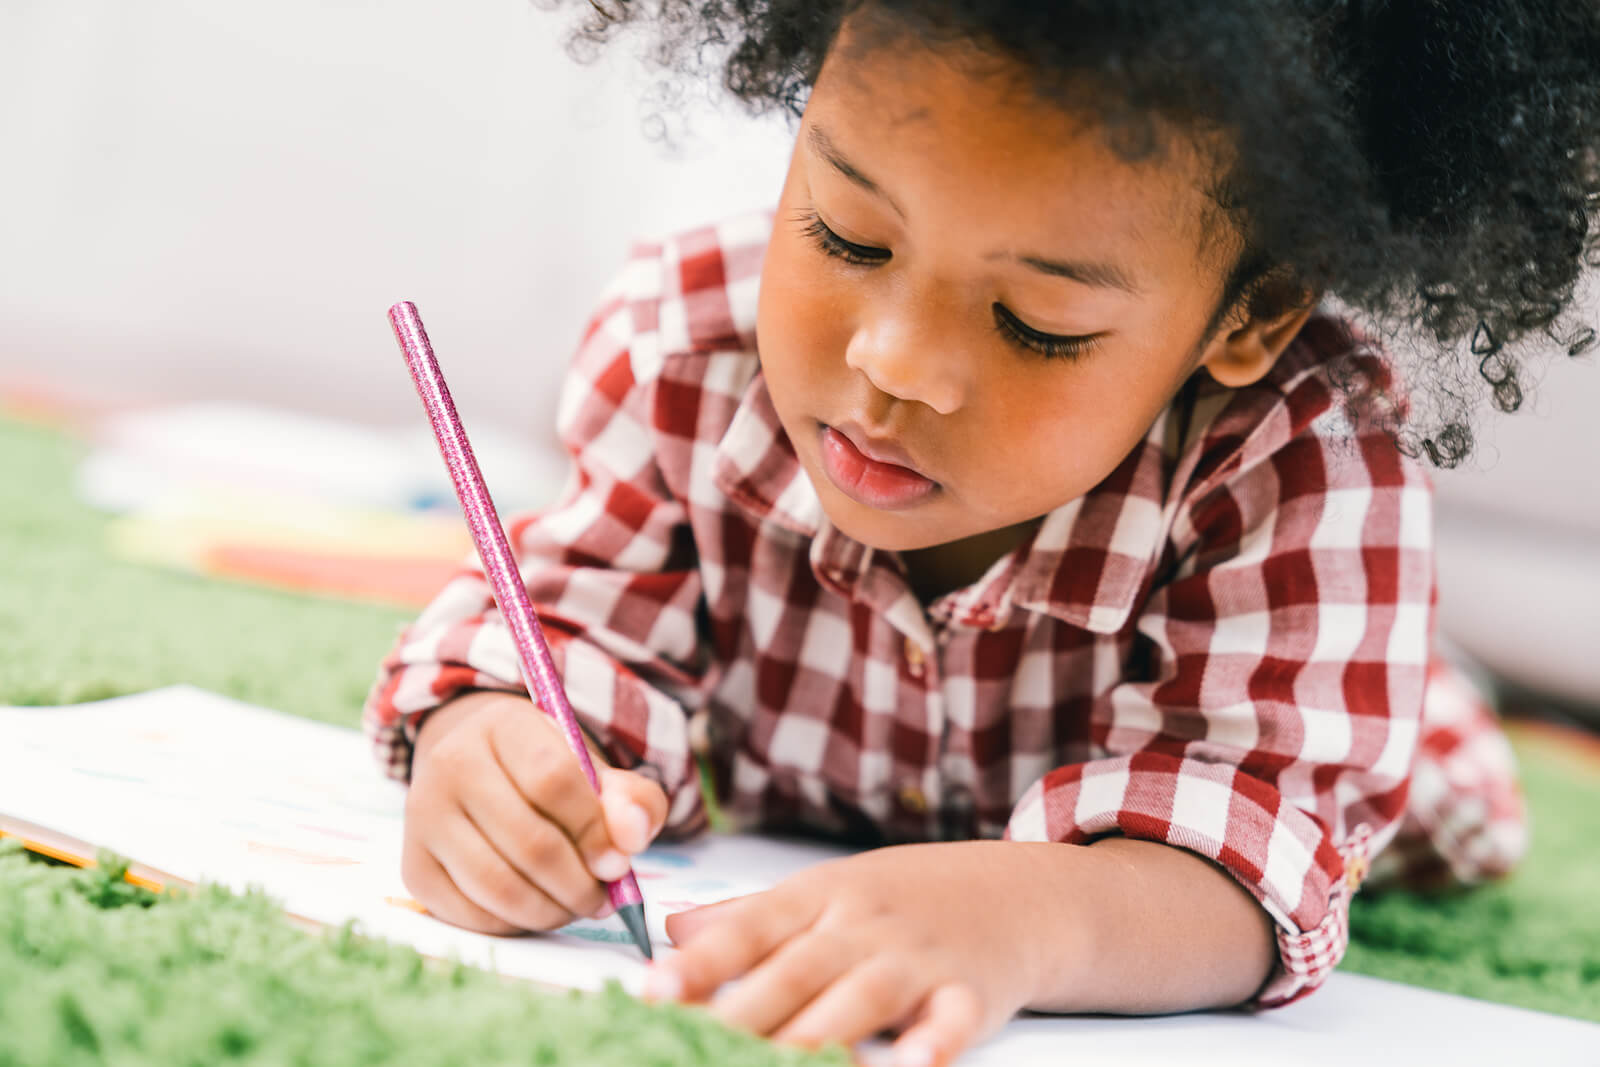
(205, 788)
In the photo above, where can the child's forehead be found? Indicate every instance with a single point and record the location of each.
(965, 136)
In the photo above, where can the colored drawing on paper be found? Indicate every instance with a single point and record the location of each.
(407, 903)
(354, 797)
(300, 855)
(679, 905)
(666, 858)
(599, 933)
(279, 802)
(93, 772)
(331, 832)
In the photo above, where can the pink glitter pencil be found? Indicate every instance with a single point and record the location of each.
(539, 671)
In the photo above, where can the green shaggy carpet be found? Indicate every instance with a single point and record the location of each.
(94, 970)
(1533, 939)
(78, 625)
(217, 976)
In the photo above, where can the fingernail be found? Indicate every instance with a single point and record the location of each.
(662, 984)
(637, 828)
(912, 1054)
(609, 865)
(605, 910)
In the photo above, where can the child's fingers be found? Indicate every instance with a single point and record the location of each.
(635, 808)
(746, 932)
(485, 878)
(951, 1020)
(429, 883)
(535, 758)
(801, 985)
(683, 925)
(536, 847)
(873, 994)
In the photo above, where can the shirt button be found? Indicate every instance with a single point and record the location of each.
(700, 733)
(913, 800)
(914, 658)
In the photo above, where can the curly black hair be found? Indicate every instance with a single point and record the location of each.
(1432, 164)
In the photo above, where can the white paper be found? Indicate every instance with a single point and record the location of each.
(210, 789)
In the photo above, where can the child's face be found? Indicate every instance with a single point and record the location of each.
(907, 382)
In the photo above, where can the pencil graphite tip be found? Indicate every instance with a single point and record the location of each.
(632, 916)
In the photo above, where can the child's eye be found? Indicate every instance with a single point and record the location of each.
(833, 245)
(1051, 346)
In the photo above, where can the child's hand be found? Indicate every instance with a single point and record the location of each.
(503, 833)
(933, 941)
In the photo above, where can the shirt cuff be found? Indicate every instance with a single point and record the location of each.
(637, 726)
(1276, 851)
(1305, 960)
(406, 695)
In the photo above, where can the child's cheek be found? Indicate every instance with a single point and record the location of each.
(803, 321)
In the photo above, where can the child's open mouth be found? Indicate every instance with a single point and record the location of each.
(872, 482)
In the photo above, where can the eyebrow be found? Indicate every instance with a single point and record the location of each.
(1101, 275)
(824, 147)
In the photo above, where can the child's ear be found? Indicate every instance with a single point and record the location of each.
(1242, 355)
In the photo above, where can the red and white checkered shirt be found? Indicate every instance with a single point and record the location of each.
(1223, 646)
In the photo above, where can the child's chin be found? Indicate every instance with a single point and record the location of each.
(902, 530)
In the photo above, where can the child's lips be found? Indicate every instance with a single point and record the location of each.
(879, 449)
(867, 472)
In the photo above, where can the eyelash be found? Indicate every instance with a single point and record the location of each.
(1007, 325)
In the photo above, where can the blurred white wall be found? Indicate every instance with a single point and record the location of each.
(216, 198)
(1519, 539)
(220, 199)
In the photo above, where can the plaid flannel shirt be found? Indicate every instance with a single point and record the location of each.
(1223, 646)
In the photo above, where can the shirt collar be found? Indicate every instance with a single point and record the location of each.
(1091, 559)
(757, 468)
(1086, 564)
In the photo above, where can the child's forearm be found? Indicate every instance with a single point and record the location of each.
(1148, 928)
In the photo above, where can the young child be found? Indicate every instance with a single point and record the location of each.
(1015, 495)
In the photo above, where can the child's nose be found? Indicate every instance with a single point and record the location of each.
(912, 358)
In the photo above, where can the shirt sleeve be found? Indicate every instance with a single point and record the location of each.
(1271, 708)
(611, 570)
